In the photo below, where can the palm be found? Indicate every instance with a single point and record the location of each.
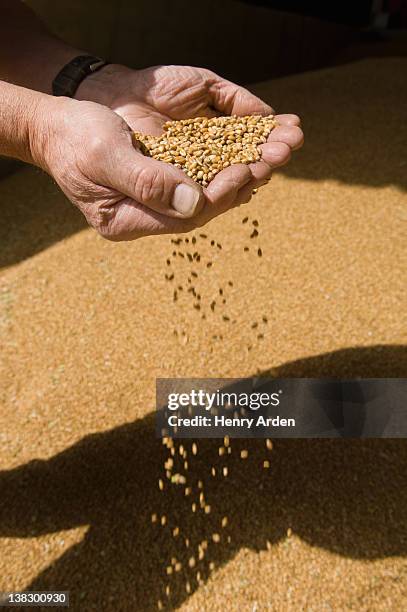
(158, 94)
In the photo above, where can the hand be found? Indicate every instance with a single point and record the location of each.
(148, 98)
(89, 151)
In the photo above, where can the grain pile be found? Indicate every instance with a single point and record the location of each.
(203, 147)
(324, 528)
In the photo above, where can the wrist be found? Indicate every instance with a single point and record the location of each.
(45, 125)
(23, 121)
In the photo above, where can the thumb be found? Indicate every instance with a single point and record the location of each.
(155, 184)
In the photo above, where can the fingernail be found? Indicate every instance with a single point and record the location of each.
(185, 199)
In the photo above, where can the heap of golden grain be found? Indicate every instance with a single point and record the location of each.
(203, 147)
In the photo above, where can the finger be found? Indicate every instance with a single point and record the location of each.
(288, 120)
(155, 184)
(129, 220)
(146, 125)
(236, 185)
(291, 135)
(246, 193)
(223, 189)
(142, 120)
(261, 171)
(275, 154)
(231, 99)
(261, 174)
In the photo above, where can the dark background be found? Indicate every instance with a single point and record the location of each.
(246, 41)
(356, 13)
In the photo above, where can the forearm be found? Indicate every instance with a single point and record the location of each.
(23, 123)
(29, 55)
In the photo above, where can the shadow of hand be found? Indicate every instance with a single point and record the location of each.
(349, 497)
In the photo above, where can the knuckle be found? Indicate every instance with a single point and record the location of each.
(105, 223)
(149, 185)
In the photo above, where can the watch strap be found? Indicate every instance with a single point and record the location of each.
(72, 74)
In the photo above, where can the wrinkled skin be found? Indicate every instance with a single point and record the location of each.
(125, 195)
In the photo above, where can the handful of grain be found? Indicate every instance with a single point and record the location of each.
(203, 147)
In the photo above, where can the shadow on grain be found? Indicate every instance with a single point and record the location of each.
(346, 496)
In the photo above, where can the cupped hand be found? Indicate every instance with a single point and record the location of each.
(88, 149)
(145, 99)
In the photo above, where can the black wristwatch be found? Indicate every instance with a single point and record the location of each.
(71, 76)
